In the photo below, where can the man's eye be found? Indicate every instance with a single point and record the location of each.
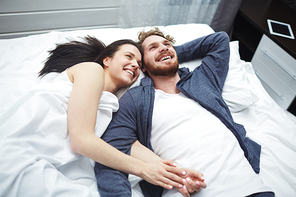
(129, 57)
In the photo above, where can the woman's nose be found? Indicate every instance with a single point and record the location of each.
(135, 64)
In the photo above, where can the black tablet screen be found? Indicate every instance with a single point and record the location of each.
(281, 29)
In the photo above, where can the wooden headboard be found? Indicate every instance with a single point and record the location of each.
(21, 18)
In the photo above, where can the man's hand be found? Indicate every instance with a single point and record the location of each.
(193, 181)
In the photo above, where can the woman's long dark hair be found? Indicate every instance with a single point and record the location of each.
(92, 50)
(68, 54)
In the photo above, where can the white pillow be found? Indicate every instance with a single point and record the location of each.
(237, 92)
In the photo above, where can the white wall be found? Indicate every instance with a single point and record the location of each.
(25, 17)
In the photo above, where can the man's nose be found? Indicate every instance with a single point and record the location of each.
(163, 48)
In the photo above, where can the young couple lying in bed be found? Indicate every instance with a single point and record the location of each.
(53, 139)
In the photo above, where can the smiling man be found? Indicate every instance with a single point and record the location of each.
(181, 116)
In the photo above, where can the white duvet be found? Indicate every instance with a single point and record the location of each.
(22, 58)
(35, 155)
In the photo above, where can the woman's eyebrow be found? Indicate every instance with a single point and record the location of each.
(131, 53)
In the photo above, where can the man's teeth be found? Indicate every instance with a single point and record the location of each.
(165, 58)
(130, 72)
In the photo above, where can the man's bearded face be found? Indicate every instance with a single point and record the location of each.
(160, 58)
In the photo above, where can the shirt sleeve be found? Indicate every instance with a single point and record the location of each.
(214, 51)
(120, 134)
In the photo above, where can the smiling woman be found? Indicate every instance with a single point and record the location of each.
(76, 108)
(122, 68)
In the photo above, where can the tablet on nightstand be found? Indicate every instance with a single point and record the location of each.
(280, 29)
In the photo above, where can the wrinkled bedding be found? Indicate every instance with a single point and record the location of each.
(265, 121)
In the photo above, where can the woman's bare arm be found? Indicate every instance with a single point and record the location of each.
(88, 84)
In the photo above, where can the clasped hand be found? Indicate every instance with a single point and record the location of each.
(167, 175)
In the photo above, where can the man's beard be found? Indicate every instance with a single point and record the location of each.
(169, 70)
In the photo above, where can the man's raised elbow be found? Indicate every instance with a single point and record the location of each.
(224, 36)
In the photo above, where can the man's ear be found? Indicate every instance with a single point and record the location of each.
(106, 61)
(144, 69)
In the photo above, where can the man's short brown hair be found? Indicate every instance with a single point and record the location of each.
(155, 31)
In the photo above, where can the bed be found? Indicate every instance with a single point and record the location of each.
(266, 122)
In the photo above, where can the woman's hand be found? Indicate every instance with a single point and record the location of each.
(193, 181)
(163, 173)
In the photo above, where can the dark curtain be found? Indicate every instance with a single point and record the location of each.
(225, 15)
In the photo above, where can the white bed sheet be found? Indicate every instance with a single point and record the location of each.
(266, 123)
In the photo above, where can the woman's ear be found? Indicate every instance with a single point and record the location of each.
(106, 61)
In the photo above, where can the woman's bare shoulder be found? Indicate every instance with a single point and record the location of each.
(85, 68)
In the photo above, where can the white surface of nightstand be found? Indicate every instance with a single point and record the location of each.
(276, 70)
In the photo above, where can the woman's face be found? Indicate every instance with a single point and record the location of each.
(124, 67)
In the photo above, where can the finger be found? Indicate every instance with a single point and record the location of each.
(169, 181)
(176, 170)
(163, 183)
(201, 177)
(166, 186)
(194, 174)
(203, 184)
(196, 185)
(169, 162)
(174, 180)
(173, 173)
(184, 191)
(190, 185)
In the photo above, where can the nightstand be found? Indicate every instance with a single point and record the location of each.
(273, 57)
